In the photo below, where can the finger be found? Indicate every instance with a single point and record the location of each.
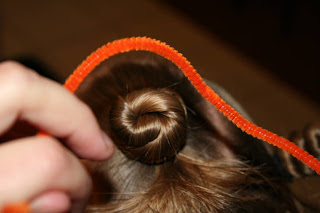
(44, 164)
(47, 105)
(51, 202)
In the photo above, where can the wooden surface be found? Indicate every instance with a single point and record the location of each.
(55, 36)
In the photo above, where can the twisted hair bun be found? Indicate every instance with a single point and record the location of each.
(149, 125)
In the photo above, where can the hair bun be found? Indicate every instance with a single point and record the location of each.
(149, 125)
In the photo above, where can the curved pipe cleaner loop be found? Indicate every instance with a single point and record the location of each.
(164, 50)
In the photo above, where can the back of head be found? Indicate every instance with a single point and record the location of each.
(169, 157)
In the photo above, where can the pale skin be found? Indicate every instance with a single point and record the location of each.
(40, 169)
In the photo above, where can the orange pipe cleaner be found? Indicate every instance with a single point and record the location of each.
(17, 208)
(164, 50)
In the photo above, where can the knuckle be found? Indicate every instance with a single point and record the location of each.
(9, 65)
(12, 68)
(57, 164)
(53, 158)
(15, 74)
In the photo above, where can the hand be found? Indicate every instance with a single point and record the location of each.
(40, 169)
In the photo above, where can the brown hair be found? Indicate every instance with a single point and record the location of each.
(171, 156)
(149, 125)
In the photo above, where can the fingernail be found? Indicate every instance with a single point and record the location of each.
(50, 202)
(109, 143)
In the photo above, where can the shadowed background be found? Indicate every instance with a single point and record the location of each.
(265, 54)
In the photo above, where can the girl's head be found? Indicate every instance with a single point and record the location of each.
(175, 153)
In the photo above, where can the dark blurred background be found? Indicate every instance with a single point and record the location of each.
(281, 35)
(265, 53)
